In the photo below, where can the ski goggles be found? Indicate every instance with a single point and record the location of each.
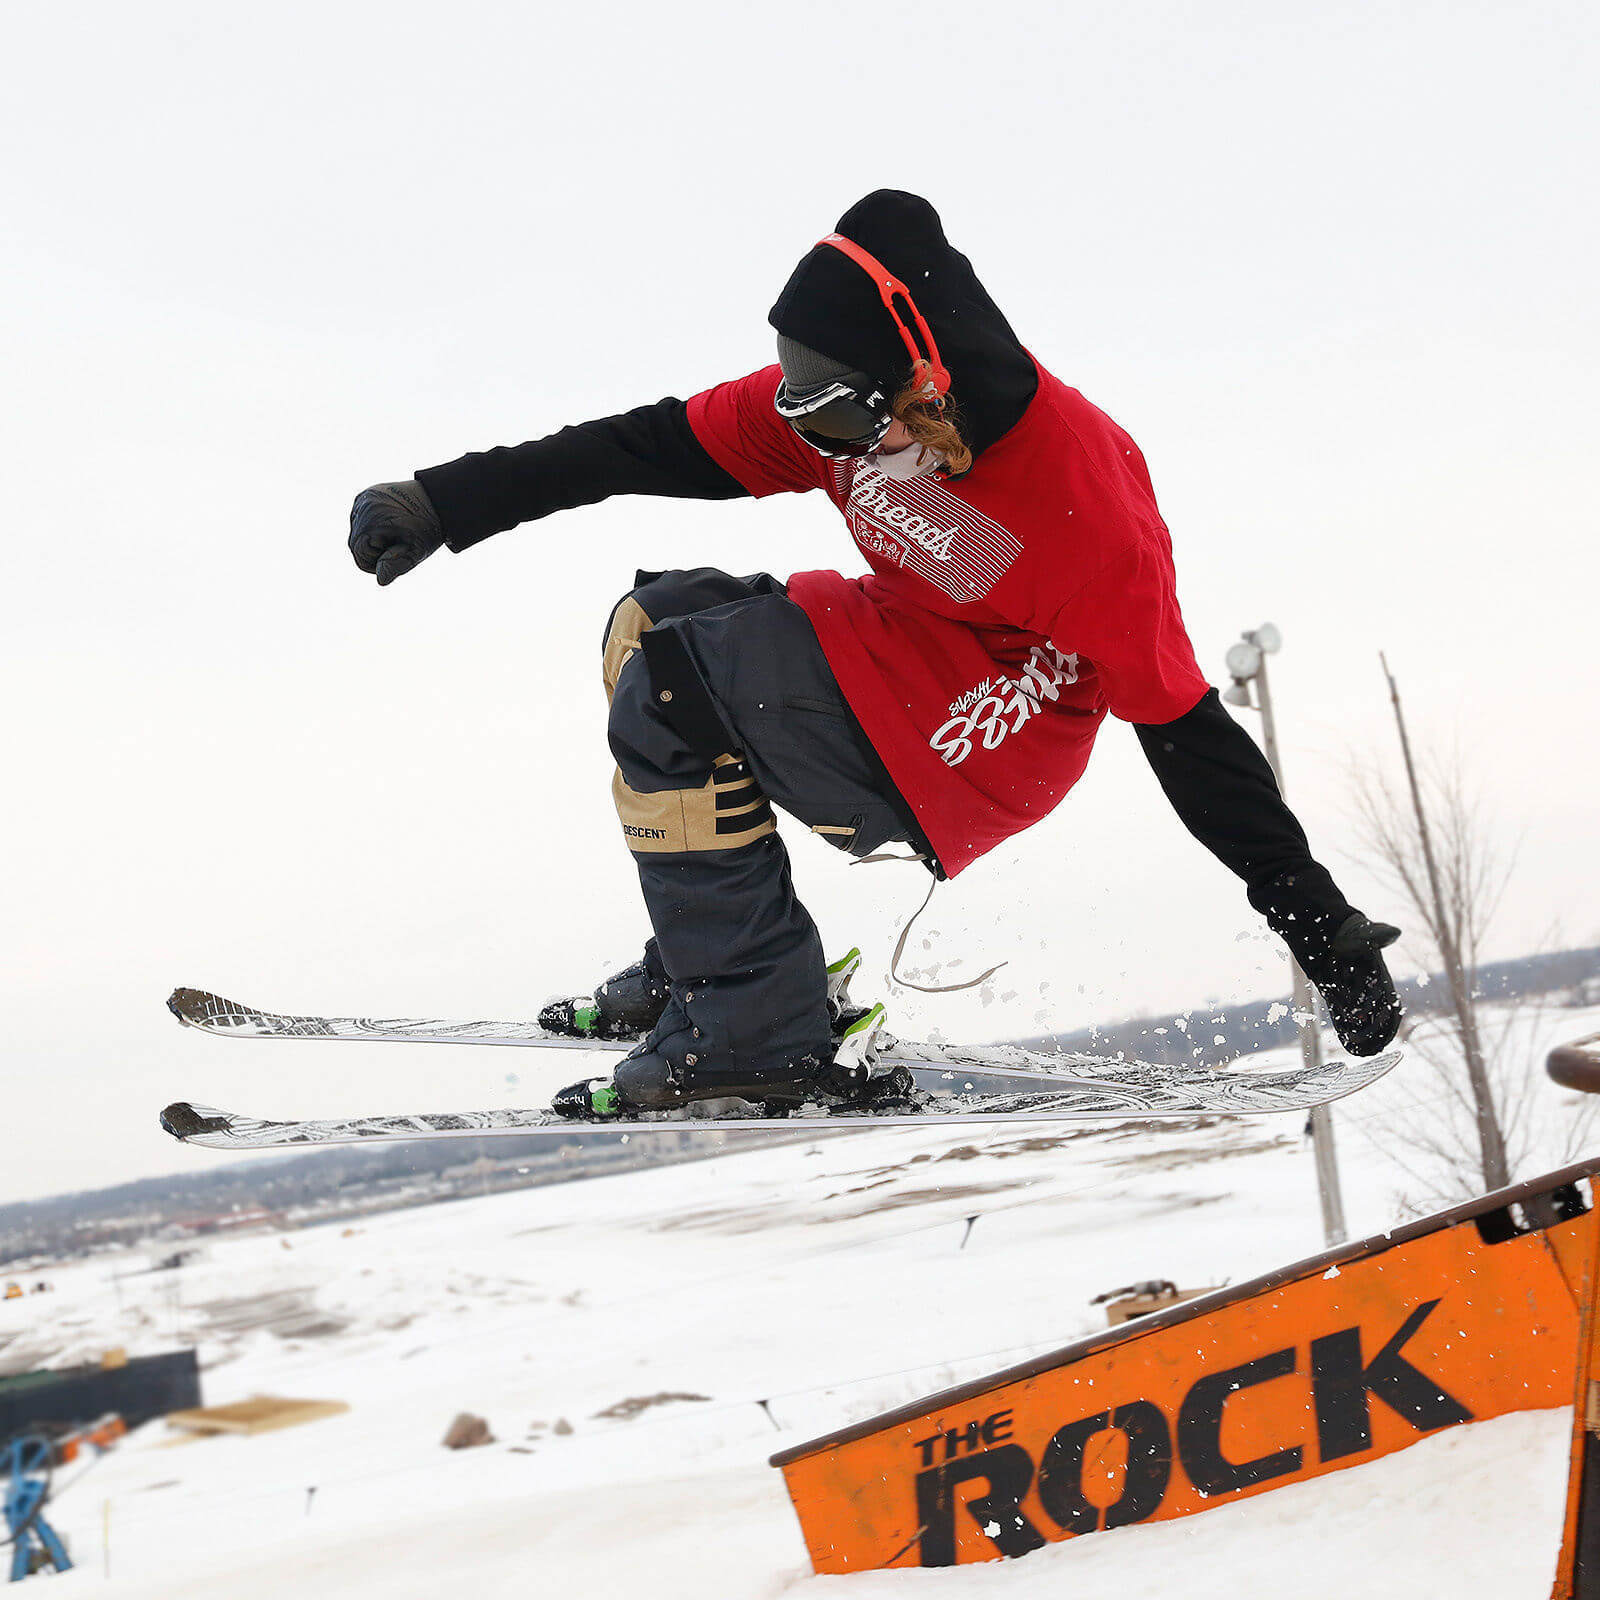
(850, 416)
(842, 419)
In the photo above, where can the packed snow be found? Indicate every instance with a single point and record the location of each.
(640, 1344)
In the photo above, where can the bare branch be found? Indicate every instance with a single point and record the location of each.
(1428, 838)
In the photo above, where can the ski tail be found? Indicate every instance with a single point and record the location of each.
(191, 1123)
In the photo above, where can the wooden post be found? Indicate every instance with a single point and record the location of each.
(1577, 1066)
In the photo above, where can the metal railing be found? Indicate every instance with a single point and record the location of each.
(1577, 1065)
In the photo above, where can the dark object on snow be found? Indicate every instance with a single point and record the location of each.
(393, 526)
(1144, 1300)
(1148, 1286)
(467, 1432)
(145, 1387)
(626, 1410)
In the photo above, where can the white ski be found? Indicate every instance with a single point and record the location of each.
(954, 1091)
(198, 1008)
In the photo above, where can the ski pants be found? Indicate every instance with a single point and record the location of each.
(723, 704)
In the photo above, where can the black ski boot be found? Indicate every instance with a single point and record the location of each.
(629, 1003)
(626, 1006)
(651, 1080)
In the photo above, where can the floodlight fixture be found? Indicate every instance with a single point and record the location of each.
(1243, 659)
(1268, 638)
(1238, 694)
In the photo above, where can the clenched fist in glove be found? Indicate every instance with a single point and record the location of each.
(1340, 950)
(393, 526)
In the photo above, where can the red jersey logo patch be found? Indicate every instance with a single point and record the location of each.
(918, 524)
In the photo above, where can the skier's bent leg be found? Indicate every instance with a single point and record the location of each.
(748, 985)
(748, 1003)
(629, 1003)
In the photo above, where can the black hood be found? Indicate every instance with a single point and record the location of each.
(830, 304)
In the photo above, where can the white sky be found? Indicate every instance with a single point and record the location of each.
(1332, 265)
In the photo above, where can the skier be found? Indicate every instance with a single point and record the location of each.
(1021, 587)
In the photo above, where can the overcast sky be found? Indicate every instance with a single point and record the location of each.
(1333, 266)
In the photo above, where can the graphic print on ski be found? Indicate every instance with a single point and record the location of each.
(965, 1084)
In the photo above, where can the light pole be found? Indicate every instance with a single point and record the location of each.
(1247, 664)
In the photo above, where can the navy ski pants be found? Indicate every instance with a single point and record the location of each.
(742, 953)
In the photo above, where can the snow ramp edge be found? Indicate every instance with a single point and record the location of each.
(1330, 1362)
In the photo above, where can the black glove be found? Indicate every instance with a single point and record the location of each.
(393, 526)
(1338, 949)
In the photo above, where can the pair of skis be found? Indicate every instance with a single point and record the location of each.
(994, 1083)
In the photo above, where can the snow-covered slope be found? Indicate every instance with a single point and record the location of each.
(640, 1344)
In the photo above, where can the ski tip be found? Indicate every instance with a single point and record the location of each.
(188, 1005)
(200, 1008)
(185, 1121)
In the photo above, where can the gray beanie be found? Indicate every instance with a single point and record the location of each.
(805, 368)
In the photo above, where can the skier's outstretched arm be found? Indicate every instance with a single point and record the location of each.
(1126, 620)
(1224, 792)
(649, 450)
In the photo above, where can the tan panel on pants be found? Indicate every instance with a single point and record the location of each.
(689, 819)
(627, 624)
(679, 819)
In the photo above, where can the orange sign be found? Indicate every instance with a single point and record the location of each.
(1342, 1360)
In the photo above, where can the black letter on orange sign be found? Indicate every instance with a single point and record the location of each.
(1061, 1474)
(1008, 1471)
(1200, 1428)
(1340, 1386)
(1143, 1483)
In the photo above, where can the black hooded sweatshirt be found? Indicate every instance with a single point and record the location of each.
(1213, 774)
(830, 304)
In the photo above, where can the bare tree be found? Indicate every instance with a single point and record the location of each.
(1433, 844)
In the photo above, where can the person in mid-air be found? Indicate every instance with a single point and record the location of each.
(1021, 587)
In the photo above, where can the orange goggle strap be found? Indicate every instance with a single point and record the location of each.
(926, 368)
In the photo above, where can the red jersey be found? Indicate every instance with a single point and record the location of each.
(1005, 611)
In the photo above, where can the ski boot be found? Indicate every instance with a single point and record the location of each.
(629, 1003)
(649, 1080)
(626, 1006)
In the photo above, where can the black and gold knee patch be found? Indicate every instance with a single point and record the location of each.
(726, 811)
